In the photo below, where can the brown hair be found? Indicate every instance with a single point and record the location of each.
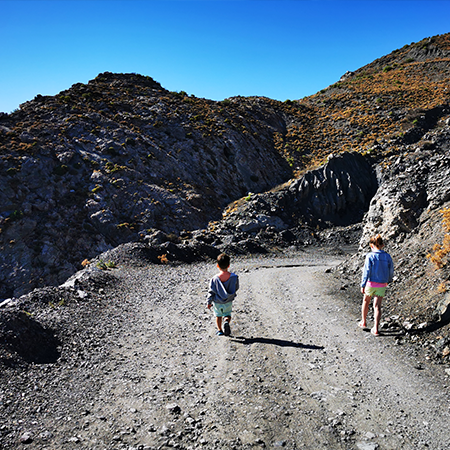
(377, 241)
(223, 261)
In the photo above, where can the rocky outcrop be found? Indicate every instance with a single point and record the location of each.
(337, 194)
(414, 187)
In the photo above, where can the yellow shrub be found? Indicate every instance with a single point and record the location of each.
(440, 251)
(163, 259)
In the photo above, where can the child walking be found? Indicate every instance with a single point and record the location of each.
(221, 293)
(378, 271)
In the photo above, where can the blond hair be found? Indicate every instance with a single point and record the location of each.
(377, 241)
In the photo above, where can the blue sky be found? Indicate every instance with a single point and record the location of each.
(209, 48)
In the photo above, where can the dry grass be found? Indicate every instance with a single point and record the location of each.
(441, 251)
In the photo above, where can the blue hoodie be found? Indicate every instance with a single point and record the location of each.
(378, 267)
(223, 292)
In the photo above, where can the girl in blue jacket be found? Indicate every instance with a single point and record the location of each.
(378, 271)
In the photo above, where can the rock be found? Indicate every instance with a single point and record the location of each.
(173, 408)
(408, 326)
(6, 302)
(443, 308)
(261, 221)
(337, 194)
(26, 438)
(367, 446)
(156, 238)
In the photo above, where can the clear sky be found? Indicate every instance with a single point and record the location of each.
(209, 48)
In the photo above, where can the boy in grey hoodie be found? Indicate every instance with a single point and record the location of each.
(221, 293)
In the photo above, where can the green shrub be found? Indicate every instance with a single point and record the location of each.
(105, 265)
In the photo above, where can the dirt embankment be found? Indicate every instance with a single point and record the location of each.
(147, 371)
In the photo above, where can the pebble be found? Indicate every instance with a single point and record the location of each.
(367, 446)
(173, 408)
(26, 438)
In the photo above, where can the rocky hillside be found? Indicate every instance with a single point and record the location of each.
(102, 163)
(120, 159)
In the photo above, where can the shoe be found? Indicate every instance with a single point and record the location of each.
(374, 332)
(361, 325)
(227, 329)
(219, 333)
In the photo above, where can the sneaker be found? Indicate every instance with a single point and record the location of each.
(226, 329)
(219, 333)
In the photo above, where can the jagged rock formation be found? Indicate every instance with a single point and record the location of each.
(119, 158)
(413, 187)
(338, 193)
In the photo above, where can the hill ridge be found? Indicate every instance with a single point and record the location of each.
(118, 158)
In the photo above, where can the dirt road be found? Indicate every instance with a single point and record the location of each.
(297, 372)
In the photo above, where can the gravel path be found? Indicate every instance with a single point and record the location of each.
(297, 372)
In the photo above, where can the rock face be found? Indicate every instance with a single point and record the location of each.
(414, 189)
(337, 194)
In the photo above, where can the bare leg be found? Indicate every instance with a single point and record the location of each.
(376, 314)
(219, 323)
(364, 309)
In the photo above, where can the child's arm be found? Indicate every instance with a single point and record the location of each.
(211, 295)
(365, 273)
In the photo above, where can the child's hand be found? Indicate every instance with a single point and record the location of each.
(209, 306)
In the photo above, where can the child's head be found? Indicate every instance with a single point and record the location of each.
(377, 241)
(223, 261)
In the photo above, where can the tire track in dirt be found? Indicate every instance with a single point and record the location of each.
(296, 373)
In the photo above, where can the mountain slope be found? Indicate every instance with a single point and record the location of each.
(112, 160)
(102, 163)
(393, 100)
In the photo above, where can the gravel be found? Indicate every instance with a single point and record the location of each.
(130, 360)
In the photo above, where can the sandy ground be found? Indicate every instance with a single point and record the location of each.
(296, 373)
